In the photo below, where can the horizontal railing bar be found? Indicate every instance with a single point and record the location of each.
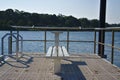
(32, 40)
(60, 40)
(79, 41)
(43, 28)
(64, 30)
(108, 45)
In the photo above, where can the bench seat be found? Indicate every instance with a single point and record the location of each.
(53, 52)
(57, 53)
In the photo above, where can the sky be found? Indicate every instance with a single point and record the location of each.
(77, 8)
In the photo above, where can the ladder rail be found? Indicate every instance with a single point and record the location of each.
(16, 39)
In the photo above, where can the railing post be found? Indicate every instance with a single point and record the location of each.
(100, 46)
(17, 44)
(95, 42)
(22, 45)
(45, 34)
(68, 41)
(10, 43)
(2, 48)
(112, 52)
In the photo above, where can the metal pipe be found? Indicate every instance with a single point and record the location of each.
(112, 52)
(45, 34)
(53, 40)
(2, 49)
(2, 46)
(95, 42)
(9, 45)
(17, 45)
(68, 41)
(18, 40)
(21, 44)
(2, 43)
(108, 45)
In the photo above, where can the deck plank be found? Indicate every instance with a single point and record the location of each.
(81, 67)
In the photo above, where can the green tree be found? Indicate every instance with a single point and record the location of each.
(20, 18)
(72, 22)
(85, 23)
(94, 23)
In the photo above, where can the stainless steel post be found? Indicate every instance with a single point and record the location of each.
(68, 41)
(45, 34)
(95, 42)
(17, 45)
(112, 52)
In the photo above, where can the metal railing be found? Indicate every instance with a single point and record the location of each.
(16, 36)
(89, 41)
(109, 45)
(68, 39)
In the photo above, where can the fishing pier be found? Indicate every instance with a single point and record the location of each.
(53, 64)
(42, 66)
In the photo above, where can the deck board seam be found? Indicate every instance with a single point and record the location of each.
(5, 71)
(37, 76)
(108, 72)
(20, 74)
(92, 73)
(42, 69)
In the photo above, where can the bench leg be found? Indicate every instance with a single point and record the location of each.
(57, 65)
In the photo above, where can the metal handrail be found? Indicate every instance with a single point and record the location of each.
(20, 40)
(112, 52)
(109, 45)
(59, 40)
(12, 35)
(2, 42)
(43, 28)
(68, 41)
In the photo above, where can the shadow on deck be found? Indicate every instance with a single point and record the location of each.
(72, 71)
(37, 67)
(24, 61)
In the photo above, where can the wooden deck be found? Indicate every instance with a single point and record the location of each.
(80, 67)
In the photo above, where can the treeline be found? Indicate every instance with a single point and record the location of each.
(20, 18)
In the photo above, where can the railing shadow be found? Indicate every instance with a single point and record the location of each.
(72, 71)
(23, 62)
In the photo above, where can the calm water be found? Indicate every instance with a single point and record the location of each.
(74, 47)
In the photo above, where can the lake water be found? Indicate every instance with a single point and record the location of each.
(74, 47)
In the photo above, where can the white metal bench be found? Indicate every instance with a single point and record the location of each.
(57, 53)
